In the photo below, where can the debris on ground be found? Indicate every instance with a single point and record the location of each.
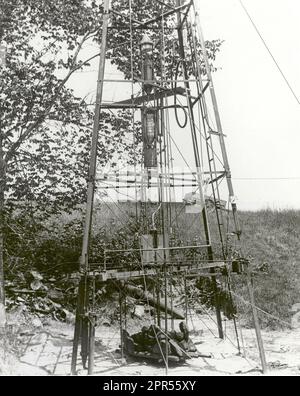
(152, 343)
(47, 350)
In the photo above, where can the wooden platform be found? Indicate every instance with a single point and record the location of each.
(189, 269)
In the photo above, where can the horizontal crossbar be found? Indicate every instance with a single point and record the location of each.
(191, 270)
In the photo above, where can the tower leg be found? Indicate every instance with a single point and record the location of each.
(77, 332)
(78, 325)
(82, 327)
(85, 336)
(92, 328)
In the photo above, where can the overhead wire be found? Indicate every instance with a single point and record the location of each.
(270, 52)
(266, 178)
(262, 310)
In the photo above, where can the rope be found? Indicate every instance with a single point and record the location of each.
(212, 319)
(176, 106)
(229, 291)
(260, 309)
(201, 134)
(209, 329)
(242, 337)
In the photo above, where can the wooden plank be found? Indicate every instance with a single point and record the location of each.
(177, 269)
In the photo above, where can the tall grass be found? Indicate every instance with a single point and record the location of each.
(270, 239)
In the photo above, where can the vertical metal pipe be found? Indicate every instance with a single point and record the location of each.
(91, 345)
(92, 174)
(92, 330)
(172, 306)
(78, 325)
(158, 303)
(185, 301)
(165, 239)
(95, 137)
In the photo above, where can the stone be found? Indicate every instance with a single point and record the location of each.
(36, 322)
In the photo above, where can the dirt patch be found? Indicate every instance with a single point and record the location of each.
(46, 351)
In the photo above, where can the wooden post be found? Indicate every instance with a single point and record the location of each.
(256, 323)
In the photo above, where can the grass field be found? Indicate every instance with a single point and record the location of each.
(270, 239)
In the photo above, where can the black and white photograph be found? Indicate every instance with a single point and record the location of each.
(149, 191)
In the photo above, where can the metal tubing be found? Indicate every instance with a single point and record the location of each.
(93, 157)
(91, 189)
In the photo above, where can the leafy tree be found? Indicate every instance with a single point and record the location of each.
(44, 128)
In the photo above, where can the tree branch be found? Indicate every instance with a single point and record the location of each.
(41, 118)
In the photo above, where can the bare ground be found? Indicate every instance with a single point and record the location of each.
(46, 351)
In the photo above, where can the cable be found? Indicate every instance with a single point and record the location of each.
(266, 178)
(261, 310)
(270, 53)
(182, 126)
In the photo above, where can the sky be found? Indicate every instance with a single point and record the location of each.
(260, 116)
